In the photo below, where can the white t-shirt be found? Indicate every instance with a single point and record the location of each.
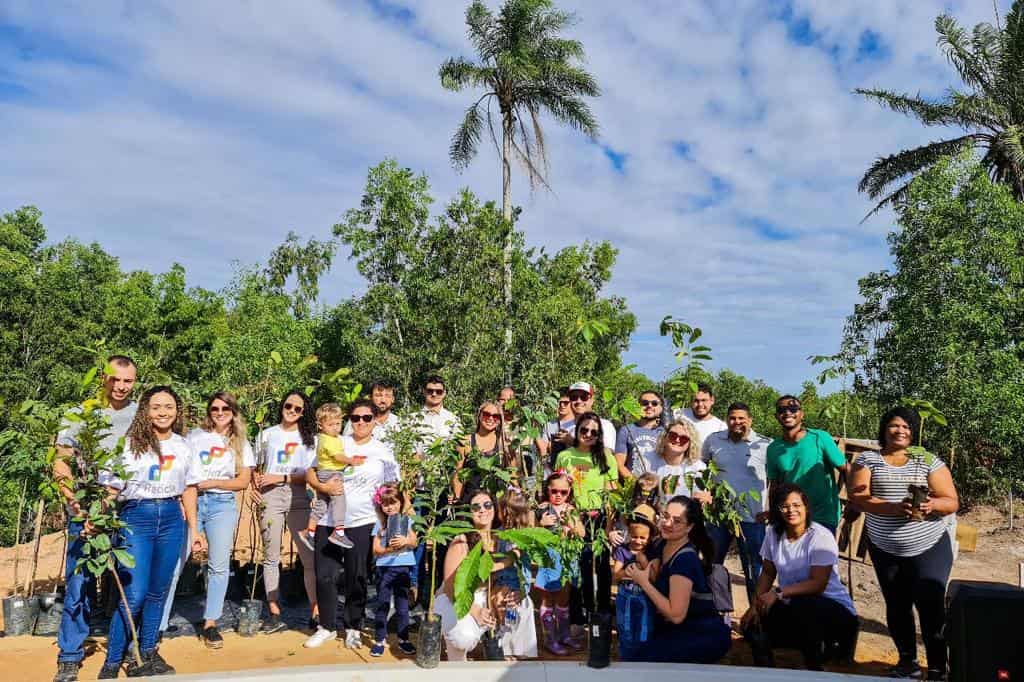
(362, 481)
(742, 465)
(214, 457)
(437, 425)
(120, 420)
(680, 470)
(704, 427)
(283, 452)
(793, 560)
(152, 477)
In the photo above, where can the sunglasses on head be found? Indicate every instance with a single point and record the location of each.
(434, 391)
(490, 415)
(677, 438)
(792, 409)
(650, 403)
(355, 418)
(221, 410)
(482, 506)
(587, 433)
(292, 407)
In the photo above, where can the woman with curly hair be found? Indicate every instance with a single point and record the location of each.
(157, 479)
(285, 452)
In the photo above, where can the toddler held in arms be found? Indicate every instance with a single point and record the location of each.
(331, 464)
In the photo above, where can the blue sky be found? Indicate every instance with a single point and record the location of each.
(726, 171)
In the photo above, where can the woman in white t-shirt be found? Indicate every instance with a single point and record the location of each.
(284, 452)
(810, 609)
(158, 481)
(679, 448)
(223, 461)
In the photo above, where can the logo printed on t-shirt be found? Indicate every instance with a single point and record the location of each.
(165, 465)
(207, 456)
(285, 456)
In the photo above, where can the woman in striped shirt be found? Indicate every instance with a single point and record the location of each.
(909, 545)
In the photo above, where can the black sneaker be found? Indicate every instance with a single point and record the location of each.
(273, 624)
(157, 664)
(908, 669)
(936, 675)
(211, 637)
(407, 647)
(109, 672)
(132, 669)
(67, 671)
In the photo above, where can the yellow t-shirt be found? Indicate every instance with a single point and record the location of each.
(329, 453)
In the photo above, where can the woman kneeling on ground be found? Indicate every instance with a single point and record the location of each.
(810, 609)
(689, 628)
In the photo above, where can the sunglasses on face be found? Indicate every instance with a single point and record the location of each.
(490, 415)
(221, 410)
(481, 506)
(563, 403)
(650, 403)
(434, 391)
(589, 433)
(677, 438)
(579, 397)
(356, 418)
(557, 491)
(291, 407)
(792, 409)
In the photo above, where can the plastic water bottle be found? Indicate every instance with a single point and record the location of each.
(511, 617)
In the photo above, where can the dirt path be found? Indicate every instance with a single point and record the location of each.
(32, 658)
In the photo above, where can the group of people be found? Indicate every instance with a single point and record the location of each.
(330, 477)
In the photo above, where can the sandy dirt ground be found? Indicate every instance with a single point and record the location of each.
(998, 555)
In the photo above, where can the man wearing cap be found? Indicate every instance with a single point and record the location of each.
(581, 401)
(740, 455)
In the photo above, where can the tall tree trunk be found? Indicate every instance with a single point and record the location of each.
(506, 213)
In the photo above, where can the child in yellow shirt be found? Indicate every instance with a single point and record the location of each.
(331, 464)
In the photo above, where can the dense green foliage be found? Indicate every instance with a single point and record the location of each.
(946, 324)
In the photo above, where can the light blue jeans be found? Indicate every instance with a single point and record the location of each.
(218, 516)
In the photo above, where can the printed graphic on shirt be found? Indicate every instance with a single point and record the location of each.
(166, 464)
(285, 456)
(207, 456)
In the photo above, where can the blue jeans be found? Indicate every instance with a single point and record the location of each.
(749, 550)
(74, 623)
(157, 533)
(393, 581)
(218, 516)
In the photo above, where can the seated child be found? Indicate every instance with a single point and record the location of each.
(331, 464)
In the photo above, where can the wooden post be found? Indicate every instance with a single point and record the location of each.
(31, 578)
(17, 533)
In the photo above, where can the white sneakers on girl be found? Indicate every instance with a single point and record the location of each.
(318, 638)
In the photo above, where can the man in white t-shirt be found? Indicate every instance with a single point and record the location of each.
(699, 413)
(118, 381)
(436, 422)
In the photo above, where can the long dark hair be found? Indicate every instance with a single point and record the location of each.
(597, 454)
(778, 497)
(699, 536)
(140, 432)
(473, 537)
(908, 415)
(307, 421)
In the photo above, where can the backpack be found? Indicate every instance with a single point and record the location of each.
(719, 584)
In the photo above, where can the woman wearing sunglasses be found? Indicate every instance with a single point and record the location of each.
(679, 447)
(372, 466)
(483, 443)
(285, 452)
(593, 470)
(462, 635)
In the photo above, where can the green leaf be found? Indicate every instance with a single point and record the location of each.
(275, 357)
(89, 376)
(124, 558)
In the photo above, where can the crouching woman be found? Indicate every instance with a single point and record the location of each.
(689, 628)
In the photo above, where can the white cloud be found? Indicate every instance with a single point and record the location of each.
(200, 132)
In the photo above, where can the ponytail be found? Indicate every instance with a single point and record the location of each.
(699, 536)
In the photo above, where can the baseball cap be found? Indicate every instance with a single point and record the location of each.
(582, 386)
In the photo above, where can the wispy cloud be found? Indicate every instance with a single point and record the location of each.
(731, 143)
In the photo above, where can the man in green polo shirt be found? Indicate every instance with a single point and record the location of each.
(808, 458)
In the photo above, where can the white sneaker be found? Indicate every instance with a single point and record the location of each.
(353, 639)
(318, 638)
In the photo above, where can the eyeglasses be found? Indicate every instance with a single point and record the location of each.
(291, 407)
(481, 506)
(792, 409)
(589, 433)
(579, 397)
(558, 491)
(668, 518)
(650, 403)
(563, 403)
(490, 415)
(434, 391)
(795, 506)
(356, 418)
(677, 438)
(221, 410)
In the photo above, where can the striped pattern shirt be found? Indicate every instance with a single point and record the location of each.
(897, 535)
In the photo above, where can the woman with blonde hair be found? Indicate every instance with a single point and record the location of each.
(223, 460)
(679, 446)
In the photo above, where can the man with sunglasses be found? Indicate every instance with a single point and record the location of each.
(699, 413)
(437, 422)
(581, 401)
(808, 458)
(740, 454)
(636, 443)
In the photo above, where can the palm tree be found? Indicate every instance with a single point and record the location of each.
(990, 62)
(524, 67)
